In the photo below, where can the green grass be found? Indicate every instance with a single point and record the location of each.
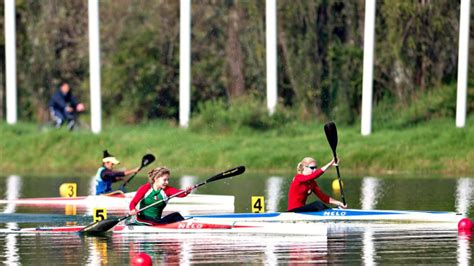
(436, 146)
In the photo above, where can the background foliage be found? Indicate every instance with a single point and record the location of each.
(320, 52)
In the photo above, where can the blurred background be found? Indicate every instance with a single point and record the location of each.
(320, 52)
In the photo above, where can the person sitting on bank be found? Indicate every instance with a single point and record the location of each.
(304, 183)
(157, 189)
(64, 107)
(106, 175)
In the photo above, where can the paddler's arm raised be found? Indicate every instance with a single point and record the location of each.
(307, 173)
(172, 190)
(331, 163)
(112, 176)
(131, 171)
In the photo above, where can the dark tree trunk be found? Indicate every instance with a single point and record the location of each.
(236, 84)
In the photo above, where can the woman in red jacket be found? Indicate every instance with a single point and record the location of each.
(156, 189)
(304, 184)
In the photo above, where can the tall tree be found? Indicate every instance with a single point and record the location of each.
(236, 84)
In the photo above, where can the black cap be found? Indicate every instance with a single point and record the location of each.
(109, 158)
(107, 154)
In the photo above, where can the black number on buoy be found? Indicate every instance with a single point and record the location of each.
(258, 204)
(100, 214)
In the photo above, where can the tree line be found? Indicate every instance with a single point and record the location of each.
(320, 54)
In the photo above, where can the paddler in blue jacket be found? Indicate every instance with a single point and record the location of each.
(105, 175)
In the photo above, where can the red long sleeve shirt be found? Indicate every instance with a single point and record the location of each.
(302, 186)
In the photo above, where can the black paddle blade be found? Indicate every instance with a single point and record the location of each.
(331, 134)
(147, 159)
(231, 172)
(100, 227)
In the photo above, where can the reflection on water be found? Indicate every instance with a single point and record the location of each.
(273, 193)
(464, 251)
(98, 253)
(12, 192)
(368, 250)
(464, 191)
(12, 255)
(186, 249)
(369, 197)
(11, 250)
(345, 243)
(358, 244)
(370, 193)
(91, 187)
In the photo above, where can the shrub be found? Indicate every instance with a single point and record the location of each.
(246, 113)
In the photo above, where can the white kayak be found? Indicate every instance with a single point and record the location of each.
(340, 215)
(118, 203)
(118, 199)
(286, 223)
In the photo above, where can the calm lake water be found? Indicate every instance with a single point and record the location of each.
(345, 242)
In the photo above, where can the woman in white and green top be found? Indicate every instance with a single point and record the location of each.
(156, 189)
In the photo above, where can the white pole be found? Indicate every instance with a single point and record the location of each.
(10, 64)
(94, 65)
(184, 62)
(463, 56)
(272, 54)
(367, 79)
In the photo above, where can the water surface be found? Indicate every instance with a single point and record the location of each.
(344, 243)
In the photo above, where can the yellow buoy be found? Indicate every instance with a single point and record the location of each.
(68, 190)
(335, 185)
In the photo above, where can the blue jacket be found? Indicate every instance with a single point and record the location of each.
(59, 101)
(104, 179)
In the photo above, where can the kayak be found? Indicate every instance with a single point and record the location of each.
(309, 223)
(122, 201)
(118, 199)
(117, 204)
(341, 215)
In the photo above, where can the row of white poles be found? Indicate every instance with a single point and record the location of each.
(272, 55)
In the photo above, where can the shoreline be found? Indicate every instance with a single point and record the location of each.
(431, 148)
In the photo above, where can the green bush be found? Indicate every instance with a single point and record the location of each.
(246, 113)
(438, 103)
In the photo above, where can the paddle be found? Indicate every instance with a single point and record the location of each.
(331, 134)
(146, 160)
(105, 225)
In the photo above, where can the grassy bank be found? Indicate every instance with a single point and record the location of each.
(432, 147)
